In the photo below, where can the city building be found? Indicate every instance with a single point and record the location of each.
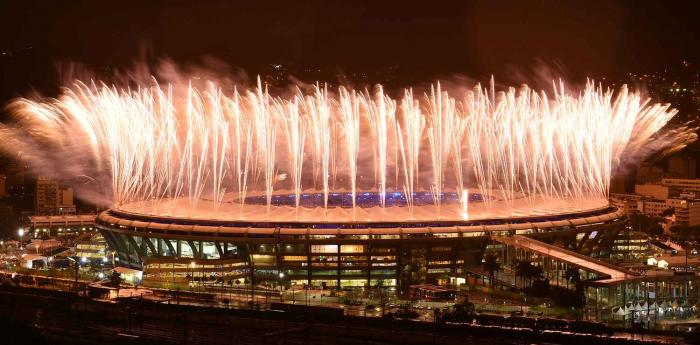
(16, 174)
(649, 173)
(52, 199)
(656, 191)
(653, 207)
(34, 261)
(93, 247)
(631, 246)
(658, 200)
(682, 167)
(627, 203)
(46, 196)
(61, 226)
(43, 247)
(687, 212)
(678, 185)
(679, 168)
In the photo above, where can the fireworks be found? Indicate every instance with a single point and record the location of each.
(158, 142)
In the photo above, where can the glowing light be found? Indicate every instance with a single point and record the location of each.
(464, 199)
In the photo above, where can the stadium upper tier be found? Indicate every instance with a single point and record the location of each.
(281, 210)
(200, 226)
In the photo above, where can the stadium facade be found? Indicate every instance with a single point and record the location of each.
(336, 254)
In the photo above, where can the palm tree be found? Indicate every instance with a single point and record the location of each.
(523, 269)
(380, 287)
(536, 273)
(572, 276)
(491, 265)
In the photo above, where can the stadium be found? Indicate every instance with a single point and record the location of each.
(375, 248)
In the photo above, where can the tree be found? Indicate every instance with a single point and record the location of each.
(685, 233)
(572, 276)
(463, 312)
(115, 280)
(656, 230)
(650, 225)
(491, 266)
(536, 273)
(523, 269)
(540, 288)
(566, 298)
(465, 307)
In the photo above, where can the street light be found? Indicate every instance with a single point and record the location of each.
(20, 232)
(192, 264)
(281, 275)
(76, 262)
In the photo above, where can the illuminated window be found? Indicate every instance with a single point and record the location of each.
(209, 250)
(326, 248)
(294, 258)
(354, 248)
(185, 250)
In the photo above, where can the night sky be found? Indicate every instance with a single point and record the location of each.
(428, 39)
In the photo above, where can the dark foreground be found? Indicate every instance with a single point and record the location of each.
(31, 316)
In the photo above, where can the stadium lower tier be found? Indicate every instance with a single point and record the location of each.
(178, 250)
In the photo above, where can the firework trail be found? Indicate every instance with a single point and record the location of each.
(155, 142)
